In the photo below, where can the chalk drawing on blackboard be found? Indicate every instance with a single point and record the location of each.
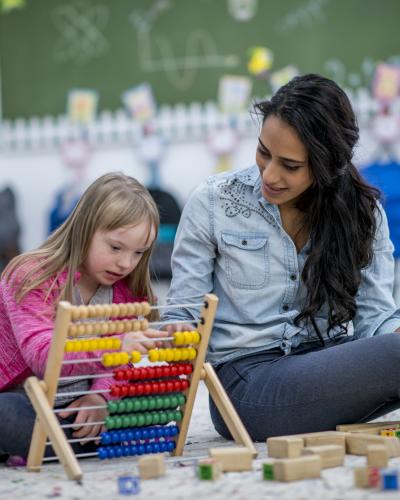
(80, 25)
(242, 10)
(303, 16)
(156, 53)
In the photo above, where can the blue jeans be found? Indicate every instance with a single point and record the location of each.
(313, 388)
(17, 418)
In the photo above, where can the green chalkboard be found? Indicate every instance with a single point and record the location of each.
(181, 47)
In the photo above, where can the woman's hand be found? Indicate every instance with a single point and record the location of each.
(144, 341)
(179, 327)
(87, 416)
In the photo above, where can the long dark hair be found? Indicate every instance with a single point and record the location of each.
(339, 208)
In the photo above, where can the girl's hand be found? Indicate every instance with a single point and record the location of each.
(180, 327)
(86, 416)
(143, 341)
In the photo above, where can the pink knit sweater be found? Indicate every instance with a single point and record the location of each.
(26, 330)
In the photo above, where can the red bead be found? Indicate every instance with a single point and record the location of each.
(147, 388)
(184, 384)
(151, 372)
(128, 374)
(115, 391)
(124, 390)
(170, 386)
(174, 370)
(188, 368)
(167, 371)
(132, 390)
(139, 389)
(177, 385)
(155, 387)
(118, 375)
(162, 387)
(159, 371)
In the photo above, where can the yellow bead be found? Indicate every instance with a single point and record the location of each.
(177, 355)
(178, 338)
(107, 359)
(116, 343)
(196, 337)
(108, 343)
(94, 345)
(135, 357)
(154, 355)
(188, 337)
(102, 344)
(169, 355)
(192, 353)
(69, 346)
(85, 345)
(184, 353)
(162, 355)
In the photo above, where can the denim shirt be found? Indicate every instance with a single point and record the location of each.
(231, 242)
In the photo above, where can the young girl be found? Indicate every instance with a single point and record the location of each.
(99, 255)
(298, 251)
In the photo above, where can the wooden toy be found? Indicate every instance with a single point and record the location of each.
(389, 479)
(294, 469)
(372, 427)
(151, 466)
(233, 459)
(357, 443)
(157, 401)
(332, 455)
(284, 446)
(377, 455)
(327, 437)
(268, 471)
(128, 485)
(361, 477)
(209, 469)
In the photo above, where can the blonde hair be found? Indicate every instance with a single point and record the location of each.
(113, 201)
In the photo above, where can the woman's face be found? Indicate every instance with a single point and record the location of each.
(283, 163)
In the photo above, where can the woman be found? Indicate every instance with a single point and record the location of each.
(298, 251)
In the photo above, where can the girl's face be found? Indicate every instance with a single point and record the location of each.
(283, 163)
(115, 254)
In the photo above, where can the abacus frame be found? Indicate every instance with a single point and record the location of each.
(42, 392)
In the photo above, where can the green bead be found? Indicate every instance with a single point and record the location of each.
(167, 402)
(156, 418)
(177, 416)
(174, 401)
(140, 420)
(137, 405)
(118, 422)
(112, 406)
(152, 403)
(159, 402)
(145, 404)
(126, 421)
(109, 422)
(129, 405)
(121, 407)
(148, 418)
(133, 422)
(163, 417)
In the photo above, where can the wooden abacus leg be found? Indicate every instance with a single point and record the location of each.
(49, 421)
(226, 409)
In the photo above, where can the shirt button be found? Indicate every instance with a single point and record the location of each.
(244, 242)
(293, 277)
(285, 307)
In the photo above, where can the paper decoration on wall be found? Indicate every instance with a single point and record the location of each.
(140, 103)
(282, 77)
(260, 61)
(82, 106)
(234, 93)
(223, 143)
(386, 84)
(8, 5)
(242, 10)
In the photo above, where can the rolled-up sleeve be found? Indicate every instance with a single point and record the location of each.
(376, 310)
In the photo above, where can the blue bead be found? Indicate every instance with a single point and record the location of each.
(102, 453)
(170, 445)
(156, 448)
(148, 448)
(138, 434)
(160, 431)
(105, 438)
(174, 430)
(118, 451)
(163, 446)
(126, 451)
(114, 436)
(140, 449)
(133, 450)
(110, 452)
(152, 433)
(145, 434)
(122, 436)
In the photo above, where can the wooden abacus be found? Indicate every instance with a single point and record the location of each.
(184, 369)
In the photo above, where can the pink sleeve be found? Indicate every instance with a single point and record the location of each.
(32, 324)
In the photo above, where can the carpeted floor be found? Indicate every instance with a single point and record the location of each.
(100, 479)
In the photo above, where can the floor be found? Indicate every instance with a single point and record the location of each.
(100, 479)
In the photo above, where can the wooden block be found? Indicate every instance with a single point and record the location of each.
(324, 438)
(284, 447)
(233, 459)
(209, 469)
(268, 471)
(361, 477)
(151, 466)
(365, 427)
(332, 455)
(356, 444)
(294, 469)
(377, 455)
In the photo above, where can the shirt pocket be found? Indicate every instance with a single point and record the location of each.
(245, 257)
